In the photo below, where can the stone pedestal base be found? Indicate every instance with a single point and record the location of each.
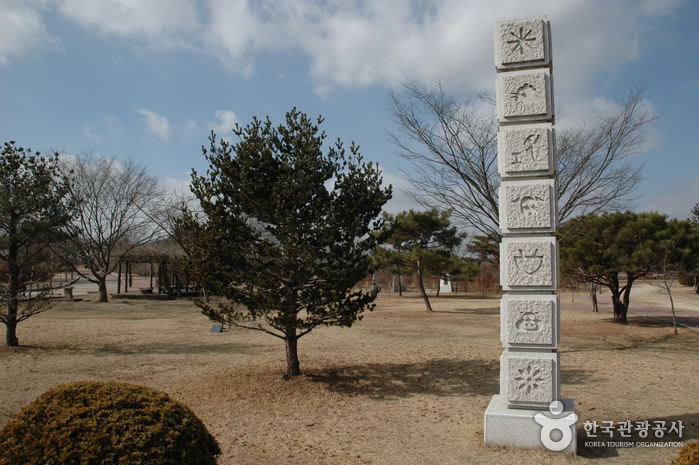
(518, 428)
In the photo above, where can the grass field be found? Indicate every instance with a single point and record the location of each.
(403, 386)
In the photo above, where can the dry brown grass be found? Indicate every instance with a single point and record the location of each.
(403, 386)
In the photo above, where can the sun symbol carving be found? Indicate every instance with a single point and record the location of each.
(520, 40)
(529, 379)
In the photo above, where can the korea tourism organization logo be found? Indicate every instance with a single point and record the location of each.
(556, 432)
(626, 434)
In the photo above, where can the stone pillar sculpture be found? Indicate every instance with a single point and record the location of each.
(529, 404)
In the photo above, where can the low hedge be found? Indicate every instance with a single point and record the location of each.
(92, 422)
(689, 455)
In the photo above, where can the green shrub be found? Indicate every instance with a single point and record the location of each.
(689, 455)
(106, 423)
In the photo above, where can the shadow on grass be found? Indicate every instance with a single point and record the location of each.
(442, 377)
(157, 348)
(575, 376)
(589, 447)
(473, 311)
(643, 321)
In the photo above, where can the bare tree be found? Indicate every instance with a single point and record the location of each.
(678, 254)
(176, 213)
(452, 146)
(113, 215)
(451, 143)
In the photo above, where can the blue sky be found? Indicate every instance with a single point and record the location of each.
(149, 79)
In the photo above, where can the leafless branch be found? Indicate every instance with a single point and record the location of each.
(451, 146)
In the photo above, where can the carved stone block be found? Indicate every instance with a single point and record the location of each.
(528, 206)
(522, 42)
(524, 95)
(530, 379)
(529, 263)
(530, 321)
(526, 150)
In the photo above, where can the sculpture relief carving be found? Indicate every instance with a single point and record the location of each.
(524, 94)
(520, 43)
(529, 321)
(529, 263)
(526, 151)
(527, 205)
(529, 274)
(530, 378)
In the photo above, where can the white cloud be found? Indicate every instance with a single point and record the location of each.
(87, 132)
(161, 22)
(189, 128)
(226, 121)
(22, 29)
(351, 43)
(356, 43)
(156, 124)
(661, 7)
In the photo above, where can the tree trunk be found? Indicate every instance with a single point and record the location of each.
(11, 332)
(104, 297)
(480, 279)
(621, 300)
(400, 284)
(672, 306)
(422, 289)
(13, 290)
(593, 297)
(375, 282)
(292, 356)
(620, 308)
(119, 278)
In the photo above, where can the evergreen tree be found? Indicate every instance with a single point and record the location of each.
(288, 230)
(616, 249)
(32, 211)
(420, 242)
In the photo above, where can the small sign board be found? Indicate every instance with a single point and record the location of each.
(216, 328)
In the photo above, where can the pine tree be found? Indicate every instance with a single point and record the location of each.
(288, 230)
(32, 211)
(616, 249)
(421, 243)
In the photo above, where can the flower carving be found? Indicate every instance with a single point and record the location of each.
(529, 379)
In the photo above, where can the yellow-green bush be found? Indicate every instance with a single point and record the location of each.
(689, 455)
(106, 423)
